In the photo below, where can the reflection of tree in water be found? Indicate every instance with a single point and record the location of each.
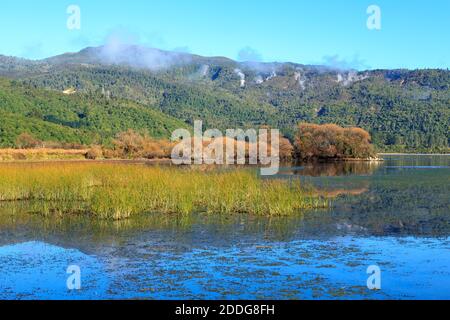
(331, 169)
(17, 224)
(406, 204)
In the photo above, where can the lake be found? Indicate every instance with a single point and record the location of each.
(394, 215)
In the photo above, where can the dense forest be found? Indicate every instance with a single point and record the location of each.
(85, 97)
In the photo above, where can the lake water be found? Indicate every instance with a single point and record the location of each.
(394, 215)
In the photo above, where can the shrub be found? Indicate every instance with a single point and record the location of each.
(330, 141)
(131, 144)
(286, 150)
(27, 141)
(94, 153)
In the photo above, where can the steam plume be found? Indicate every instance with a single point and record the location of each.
(241, 75)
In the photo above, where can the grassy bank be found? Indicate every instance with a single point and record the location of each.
(42, 154)
(117, 191)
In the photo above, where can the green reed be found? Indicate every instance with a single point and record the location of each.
(118, 191)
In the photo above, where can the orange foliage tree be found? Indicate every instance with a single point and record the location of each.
(330, 141)
(27, 141)
(131, 144)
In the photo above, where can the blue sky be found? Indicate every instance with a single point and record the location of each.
(414, 33)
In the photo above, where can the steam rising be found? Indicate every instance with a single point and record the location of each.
(273, 74)
(259, 79)
(120, 50)
(204, 70)
(349, 78)
(241, 75)
(267, 72)
(342, 64)
(300, 79)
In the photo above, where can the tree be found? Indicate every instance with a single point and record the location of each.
(330, 141)
(27, 141)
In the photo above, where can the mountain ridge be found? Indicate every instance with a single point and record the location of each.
(403, 109)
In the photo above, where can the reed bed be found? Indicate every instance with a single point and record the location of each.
(118, 191)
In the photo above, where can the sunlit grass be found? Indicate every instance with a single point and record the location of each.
(118, 191)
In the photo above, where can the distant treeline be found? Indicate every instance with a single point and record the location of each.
(312, 142)
(404, 111)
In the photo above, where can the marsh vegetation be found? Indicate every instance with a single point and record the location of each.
(118, 191)
(394, 214)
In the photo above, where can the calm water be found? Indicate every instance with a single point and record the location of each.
(395, 215)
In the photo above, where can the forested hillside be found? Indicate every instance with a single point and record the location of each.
(403, 110)
(78, 118)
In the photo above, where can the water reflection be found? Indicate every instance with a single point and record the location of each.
(385, 202)
(331, 169)
(395, 214)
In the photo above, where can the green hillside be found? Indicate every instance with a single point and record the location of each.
(404, 110)
(77, 118)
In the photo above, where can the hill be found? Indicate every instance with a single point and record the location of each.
(76, 118)
(403, 110)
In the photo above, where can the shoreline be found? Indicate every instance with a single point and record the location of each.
(413, 154)
(9, 155)
(136, 161)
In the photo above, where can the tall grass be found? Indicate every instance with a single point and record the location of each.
(118, 191)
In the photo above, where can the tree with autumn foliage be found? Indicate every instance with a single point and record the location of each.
(330, 141)
(132, 144)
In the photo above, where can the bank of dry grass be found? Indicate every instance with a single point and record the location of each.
(39, 154)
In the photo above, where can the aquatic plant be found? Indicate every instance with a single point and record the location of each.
(118, 191)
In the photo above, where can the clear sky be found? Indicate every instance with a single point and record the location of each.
(414, 33)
